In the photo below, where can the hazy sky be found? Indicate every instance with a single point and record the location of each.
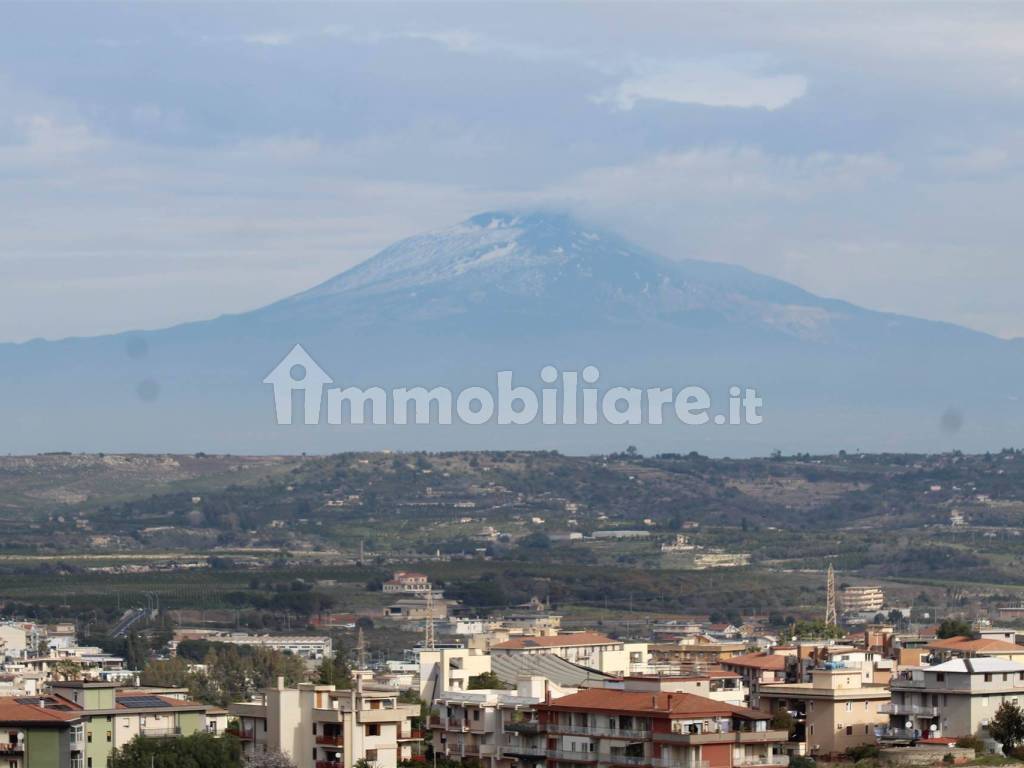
(167, 163)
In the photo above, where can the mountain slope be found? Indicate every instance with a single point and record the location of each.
(506, 291)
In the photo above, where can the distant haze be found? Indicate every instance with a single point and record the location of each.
(518, 291)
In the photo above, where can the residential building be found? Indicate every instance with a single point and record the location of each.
(965, 647)
(657, 730)
(313, 647)
(35, 736)
(407, 582)
(111, 715)
(318, 726)
(833, 712)
(759, 669)
(449, 669)
(479, 724)
(861, 599)
(693, 653)
(588, 649)
(956, 698)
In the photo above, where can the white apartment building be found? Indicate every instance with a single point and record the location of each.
(956, 698)
(408, 582)
(861, 599)
(313, 647)
(318, 726)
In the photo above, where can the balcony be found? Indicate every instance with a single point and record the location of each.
(586, 730)
(523, 750)
(11, 748)
(572, 757)
(916, 710)
(329, 764)
(756, 760)
(159, 733)
(724, 737)
(245, 734)
(330, 740)
(523, 726)
(899, 734)
(414, 735)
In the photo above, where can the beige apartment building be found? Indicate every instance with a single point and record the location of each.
(861, 599)
(956, 698)
(835, 711)
(320, 727)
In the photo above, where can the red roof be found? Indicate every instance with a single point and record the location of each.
(13, 710)
(663, 703)
(555, 641)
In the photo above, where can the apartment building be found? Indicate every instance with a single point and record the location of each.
(607, 728)
(449, 669)
(112, 715)
(695, 653)
(33, 735)
(480, 725)
(956, 698)
(759, 669)
(588, 649)
(861, 599)
(318, 726)
(835, 711)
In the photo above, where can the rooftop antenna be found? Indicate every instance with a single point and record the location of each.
(830, 598)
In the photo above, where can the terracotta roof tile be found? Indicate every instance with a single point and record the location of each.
(555, 641)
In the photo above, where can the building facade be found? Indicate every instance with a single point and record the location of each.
(318, 726)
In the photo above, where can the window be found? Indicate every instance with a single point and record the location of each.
(810, 729)
(371, 755)
(849, 706)
(867, 729)
(373, 729)
(849, 730)
(476, 714)
(109, 737)
(988, 677)
(88, 737)
(940, 677)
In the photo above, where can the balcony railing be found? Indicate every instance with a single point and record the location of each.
(919, 710)
(899, 733)
(241, 733)
(11, 747)
(159, 733)
(523, 726)
(329, 764)
(588, 730)
(755, 760)
(330, 741)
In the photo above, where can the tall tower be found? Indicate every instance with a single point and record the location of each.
(830, 598)
(428, 628)
(360, 649)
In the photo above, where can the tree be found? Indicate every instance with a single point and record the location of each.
(485, 681)
(955, 628)
(271, 759)
(783, 721)
(201, 750)
(335, 671)
(1007, 726)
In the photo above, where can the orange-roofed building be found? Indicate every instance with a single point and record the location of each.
(33, 735)
(600, 727)
(588, 649)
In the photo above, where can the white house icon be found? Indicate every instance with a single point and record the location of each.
(298, 371)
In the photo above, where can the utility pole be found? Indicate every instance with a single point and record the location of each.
(428, 629)
(360, 649)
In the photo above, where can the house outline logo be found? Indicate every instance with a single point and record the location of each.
(311, 383)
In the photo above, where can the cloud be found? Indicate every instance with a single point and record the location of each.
(708, 83)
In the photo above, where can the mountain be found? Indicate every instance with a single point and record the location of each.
(520, 291)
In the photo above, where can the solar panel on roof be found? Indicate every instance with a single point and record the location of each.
(133, 702)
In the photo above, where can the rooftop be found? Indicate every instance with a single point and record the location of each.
(556, 641)
(669, 704)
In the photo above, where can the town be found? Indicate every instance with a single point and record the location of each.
(518, 688)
